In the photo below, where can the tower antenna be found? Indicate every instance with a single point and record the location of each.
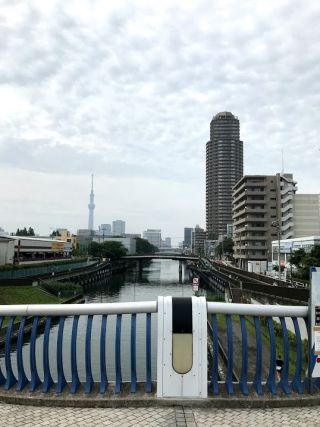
(91, 206)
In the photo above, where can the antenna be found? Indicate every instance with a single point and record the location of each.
(92, 182)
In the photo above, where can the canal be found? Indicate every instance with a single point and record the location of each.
(158, 277)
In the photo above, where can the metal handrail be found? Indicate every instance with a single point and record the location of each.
(148, 307)
(74, 310)
(257, 309)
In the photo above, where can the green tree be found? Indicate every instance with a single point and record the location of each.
(144, 247)
(225, 247)
(55, 233)
(304, 261)
(297, 257)
(113, 250)
(95, 249)
(25, 232)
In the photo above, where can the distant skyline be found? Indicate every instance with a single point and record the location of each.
(127, 89)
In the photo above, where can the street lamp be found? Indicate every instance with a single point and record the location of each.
(277, 225)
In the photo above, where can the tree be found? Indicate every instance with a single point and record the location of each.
(113, 250)
(25, 232)
(144, 247)
(95, 249)
(297, 257)
(225, 247)
(55, 233)
(304, 261)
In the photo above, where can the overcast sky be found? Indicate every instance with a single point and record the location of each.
(127, 90)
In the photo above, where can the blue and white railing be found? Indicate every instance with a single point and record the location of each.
(254, 313)
(39, 354)
(50, 315)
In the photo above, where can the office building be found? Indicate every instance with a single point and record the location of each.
(224, 168)
(199, 237)
(118, 227)
(262, 210)
(153, 236)
(187, 237)
(104, 230)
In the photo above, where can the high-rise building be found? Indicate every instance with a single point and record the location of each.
(199, 237)
(262, 211)
(118, 227)
(224, 168)
(187, 237)
(153, 237)
(91, 206)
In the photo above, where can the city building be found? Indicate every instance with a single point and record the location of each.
(166, 243)
(104, 230)
(67, 236)
(187, 237)
(306, 215)
(84, 238)
(199, 237)
(91, 207)
(262, 211)
(224, 168)
(118, 227)
(22, 248)
(153, 236)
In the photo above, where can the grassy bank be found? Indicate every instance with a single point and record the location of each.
(26, 295)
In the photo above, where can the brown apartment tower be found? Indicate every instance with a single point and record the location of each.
(224, 168)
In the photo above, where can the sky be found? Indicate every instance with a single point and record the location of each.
(127, 89)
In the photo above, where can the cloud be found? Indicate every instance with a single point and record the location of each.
(128, 88)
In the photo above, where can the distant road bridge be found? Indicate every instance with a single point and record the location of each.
(174, 256)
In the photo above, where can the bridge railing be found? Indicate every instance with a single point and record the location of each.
(267, 327)
(253, 336)
(66, 357)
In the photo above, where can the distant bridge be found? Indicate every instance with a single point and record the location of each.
(175, 257)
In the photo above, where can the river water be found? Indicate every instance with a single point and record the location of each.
(158, 278)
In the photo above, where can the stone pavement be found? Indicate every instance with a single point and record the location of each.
(34, 416)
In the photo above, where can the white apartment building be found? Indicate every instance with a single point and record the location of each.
(306, 215)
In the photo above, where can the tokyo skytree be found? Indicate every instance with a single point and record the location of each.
(91, 206)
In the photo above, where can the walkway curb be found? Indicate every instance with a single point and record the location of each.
(142, 399)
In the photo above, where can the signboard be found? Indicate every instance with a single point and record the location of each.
(57, 246)
(195, 288)
(195, 281)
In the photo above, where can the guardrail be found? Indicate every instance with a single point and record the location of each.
(256, 324)
(38, 270)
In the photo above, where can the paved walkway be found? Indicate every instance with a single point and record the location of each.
(32, 416)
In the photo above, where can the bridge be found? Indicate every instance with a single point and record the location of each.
(253, 334)
(173, 256)
(170, 256)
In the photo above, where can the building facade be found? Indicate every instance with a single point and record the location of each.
(118, 227)
(306, 215)
(199, 237)
(262, 211)
(187, 237)
(224, 168)
(153, 236)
